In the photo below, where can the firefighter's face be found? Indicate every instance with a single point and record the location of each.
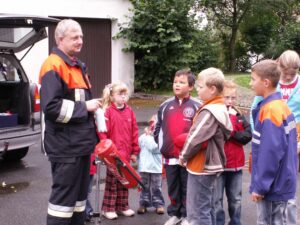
(72, 42)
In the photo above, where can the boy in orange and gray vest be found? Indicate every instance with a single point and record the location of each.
(203, 152)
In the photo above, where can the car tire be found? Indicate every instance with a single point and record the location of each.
(15, 155)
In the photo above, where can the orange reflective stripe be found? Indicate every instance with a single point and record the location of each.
(273, 112)
(71, 75)
(298, 131)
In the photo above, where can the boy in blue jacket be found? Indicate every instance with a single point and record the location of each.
(274, 147)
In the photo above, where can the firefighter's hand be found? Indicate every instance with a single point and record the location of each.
(93, 105)
(133, 158)
(256, 197)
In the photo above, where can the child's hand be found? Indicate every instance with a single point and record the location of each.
(182, 162)
(133, 158)
(147, 131)
(256, 197)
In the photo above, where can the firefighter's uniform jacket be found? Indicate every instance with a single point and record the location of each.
(70, 135)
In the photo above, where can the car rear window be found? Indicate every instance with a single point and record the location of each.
(13, 35)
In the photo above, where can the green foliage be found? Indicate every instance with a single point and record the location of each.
(291, 36)
(287, 37)
(257, 31)
(227, 16)
(163, 36)
(271, 27)
(253, 27)
(207, 50)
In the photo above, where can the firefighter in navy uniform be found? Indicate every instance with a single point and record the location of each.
(70, 133)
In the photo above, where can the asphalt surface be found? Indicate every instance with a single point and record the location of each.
(25, 188)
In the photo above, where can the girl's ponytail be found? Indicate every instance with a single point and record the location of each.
(106, 96)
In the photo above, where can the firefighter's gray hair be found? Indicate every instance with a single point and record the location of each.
(63, 26)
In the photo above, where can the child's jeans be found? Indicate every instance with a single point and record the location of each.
(89, 209)
(152, 195)
(231, 182)
(292, 211)
(200, 199)
(273, 213)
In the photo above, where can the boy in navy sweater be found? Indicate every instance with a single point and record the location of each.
(274, 148)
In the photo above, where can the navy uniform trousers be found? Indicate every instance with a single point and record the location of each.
(69, 191)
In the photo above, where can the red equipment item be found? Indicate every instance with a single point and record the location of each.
(117, 165)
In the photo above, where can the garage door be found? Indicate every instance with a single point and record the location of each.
(96, 51)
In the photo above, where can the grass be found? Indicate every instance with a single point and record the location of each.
(241, 79)
(144, 102)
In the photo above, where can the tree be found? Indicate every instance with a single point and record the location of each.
(252, 26)
(227, 16)
(271, 27)
(163, 36)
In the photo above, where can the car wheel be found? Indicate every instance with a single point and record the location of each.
(15, 155)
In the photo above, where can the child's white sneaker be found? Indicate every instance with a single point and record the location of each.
(184, 221)
(173, 220)
(110, 215)
(128, 212)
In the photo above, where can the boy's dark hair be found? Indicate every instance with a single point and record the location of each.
(187, 72)
(268, 69)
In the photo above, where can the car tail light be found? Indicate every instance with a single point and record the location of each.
(36, 104)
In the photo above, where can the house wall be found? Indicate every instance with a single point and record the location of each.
(115, 10)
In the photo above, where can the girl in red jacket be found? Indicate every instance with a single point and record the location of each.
(122, 129)
(230, 180)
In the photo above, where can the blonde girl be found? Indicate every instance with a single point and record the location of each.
(122, 129)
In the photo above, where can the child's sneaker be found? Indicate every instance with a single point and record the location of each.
(110, 215)
(128, 212)
(173, 220)
(160, 210)
(89, 218)
(142, 210)
(184, 221)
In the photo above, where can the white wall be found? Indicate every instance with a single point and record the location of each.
(122, 63)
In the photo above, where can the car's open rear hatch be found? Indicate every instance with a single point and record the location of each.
(18, 32)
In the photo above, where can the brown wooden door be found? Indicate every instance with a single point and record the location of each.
(96, 51)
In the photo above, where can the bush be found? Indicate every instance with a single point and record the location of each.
(164, 37)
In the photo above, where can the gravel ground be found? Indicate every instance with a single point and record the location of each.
(245, 97)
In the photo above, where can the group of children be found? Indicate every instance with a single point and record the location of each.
(199, 142)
